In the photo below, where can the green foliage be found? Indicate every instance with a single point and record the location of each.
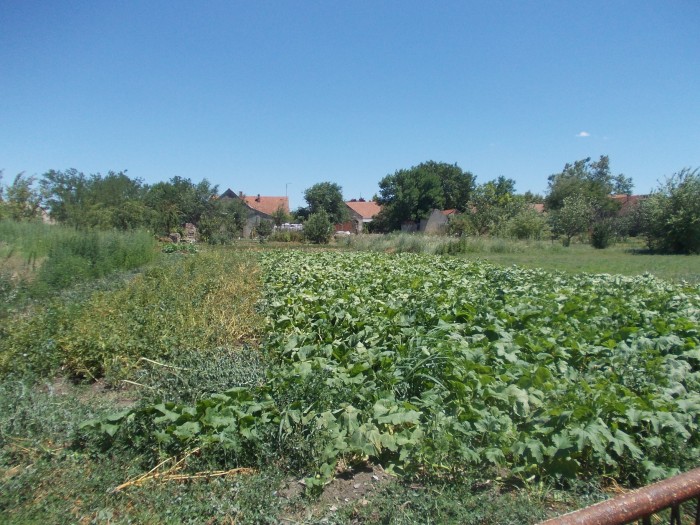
(439, 365)
(327, 197)
(21, 200)
(179, 201)
(91, 255)
(186, 303)
(591, 181)
(602, 234)
(412, 194)
(670, 217)
(96, 201)
(48, 477)
(223, 221)
(318, 228)
(116, 201)
(528, 224)
(264, 229)
(464, 501)
(573, 218)
(491, 205)
(287, 236)
(192, 376)
(279, 216)
(185, 248)
(39, 260)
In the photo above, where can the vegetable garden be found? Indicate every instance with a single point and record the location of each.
(437, 366)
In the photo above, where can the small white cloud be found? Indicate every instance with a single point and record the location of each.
(584, 134)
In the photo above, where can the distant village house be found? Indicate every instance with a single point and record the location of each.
(362, 213)
(258, 208)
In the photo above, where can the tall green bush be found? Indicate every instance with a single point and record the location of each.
(528, 224)
(670, 217)
(318, 228)
(602, 234)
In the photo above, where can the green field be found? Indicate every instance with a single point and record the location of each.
(626, 258)
(263, 385)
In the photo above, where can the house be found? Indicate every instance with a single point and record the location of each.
(258, 208)
(361, 212)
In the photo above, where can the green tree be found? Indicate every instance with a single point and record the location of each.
(223, 221)
(327, 197)
(572, 218)
(670, 217)
(65, 194)
(318, 228)
(264, 229)
(412, 194)
(179, 201)
(492, 204)
(95, 201)
(279, 216)
(591, 180)
(456, 184)
(528, 223)
(22, 199)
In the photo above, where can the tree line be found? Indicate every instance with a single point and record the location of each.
(116, 201)
(580, 201)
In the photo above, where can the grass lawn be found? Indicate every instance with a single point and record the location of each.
(625, 259)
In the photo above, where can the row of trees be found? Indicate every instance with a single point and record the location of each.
(116, 201)
(578, 201)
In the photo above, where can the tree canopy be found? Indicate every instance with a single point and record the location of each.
(492, 204)
(591, 180)
(411, 194)
(670, 217)
(22, 200)
(117, 201)
(327, 197)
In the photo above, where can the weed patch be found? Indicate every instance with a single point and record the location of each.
(188, 303)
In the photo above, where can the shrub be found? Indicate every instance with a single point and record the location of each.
(264, 229)
(602, 234)
(318, 228)
(528, 224)
(670, 218)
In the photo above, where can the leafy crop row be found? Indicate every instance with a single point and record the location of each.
(438, 365)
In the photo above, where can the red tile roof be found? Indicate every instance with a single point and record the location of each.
(366, 210)
(267, 205)
(628, 202)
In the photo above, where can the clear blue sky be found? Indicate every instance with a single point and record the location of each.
(255, 95)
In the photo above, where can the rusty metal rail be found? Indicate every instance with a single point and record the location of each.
(640, 504)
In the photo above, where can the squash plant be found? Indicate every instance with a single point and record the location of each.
(431, 364)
